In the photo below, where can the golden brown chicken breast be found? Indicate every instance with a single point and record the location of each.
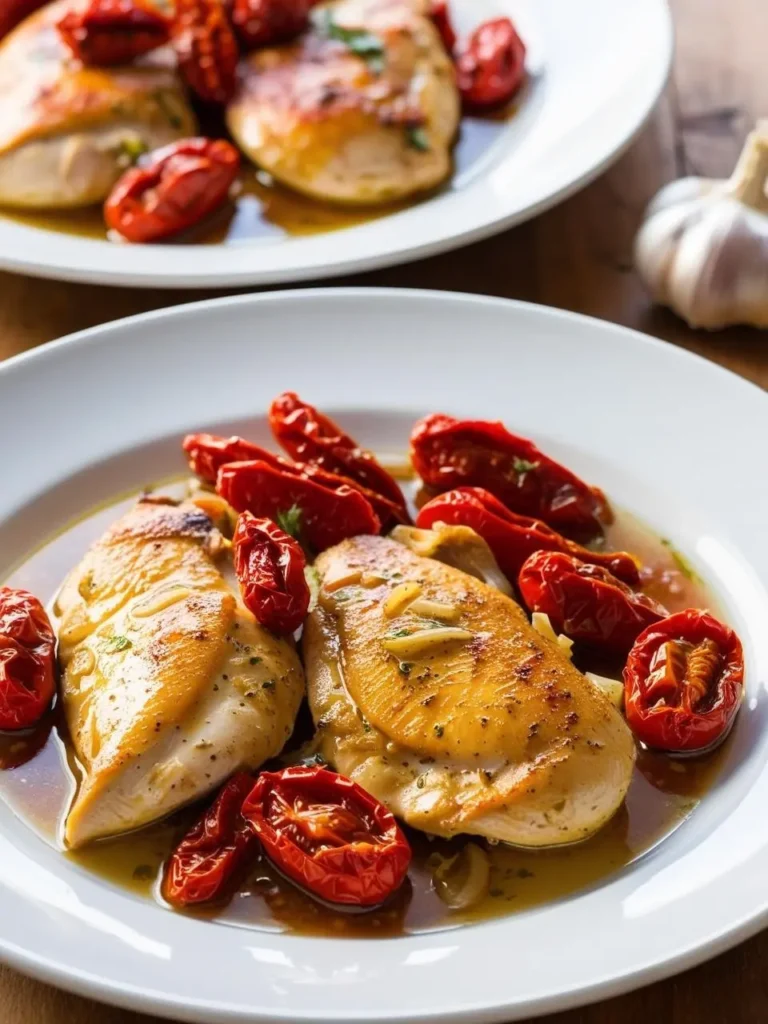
(432, 690)
(363, 109)
(169, 684)
(67, 131)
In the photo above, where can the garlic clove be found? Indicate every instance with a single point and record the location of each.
(703, 247)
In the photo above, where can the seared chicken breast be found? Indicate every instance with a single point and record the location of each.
(66, 131)
(362, 109)
(432, 690)
(169, 685)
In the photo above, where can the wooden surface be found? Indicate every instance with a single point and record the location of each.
(577, 257)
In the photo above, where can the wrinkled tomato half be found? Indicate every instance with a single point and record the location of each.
(27, 660)
(173, 188)
(207, 862)
(684, 682)
(586, 602)
(328, 836)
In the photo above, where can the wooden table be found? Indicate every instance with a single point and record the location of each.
(577, 256)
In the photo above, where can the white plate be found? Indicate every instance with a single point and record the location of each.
(667, 435)
(597, 67)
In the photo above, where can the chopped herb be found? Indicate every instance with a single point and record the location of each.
(417, 138)
(118, 643)
(524, 873)
(254, 661)
(290, 521)
(405, 667)
(496, 893)
(420, 782)
(360, 41)
(398, 633)
(167, 108)
(523, 467)
(683, 565)
(312, 576)
(439, 730)
(396, 576)
(131, 149)
(269, 684)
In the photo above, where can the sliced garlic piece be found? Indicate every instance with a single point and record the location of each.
(427, 609)
(400, 598)
(414, 644)
(541, 623)
(612, 688)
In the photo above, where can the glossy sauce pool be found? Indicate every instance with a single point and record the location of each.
(662, 794)
(262, 209)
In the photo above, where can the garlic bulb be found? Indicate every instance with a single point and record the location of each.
(703, 247)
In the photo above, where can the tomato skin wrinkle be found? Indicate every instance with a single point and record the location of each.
(266, 22)
(328, 835)
(490, 66)
(206, 49)
(684, 683)
(27, 660)
(172, 189)
(449, 453)
(207, 453)
(311, 437)
(113, 32)
(514, 538)
(327, 516)
(208, 861)
(586, 602)
(270, 569)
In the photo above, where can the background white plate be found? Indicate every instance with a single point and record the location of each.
(598, 67)
(667, 435)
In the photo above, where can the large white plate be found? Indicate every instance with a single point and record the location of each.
(668, 435)
(597, 66)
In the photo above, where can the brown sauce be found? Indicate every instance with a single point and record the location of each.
(263, 209)
(662, 795)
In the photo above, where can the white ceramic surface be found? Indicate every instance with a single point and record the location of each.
(597, 68)
(665, 433)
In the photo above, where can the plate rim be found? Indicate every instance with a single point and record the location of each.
(316, 267)
(122, 994)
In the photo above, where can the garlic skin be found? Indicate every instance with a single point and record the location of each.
(703, 247)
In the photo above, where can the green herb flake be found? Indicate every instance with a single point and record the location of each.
(405, 667)
(439, 730)
(312, 576)
(421, 782)
(254, 661)
(118, 643)
(290, 521)
(360, 41)
(523, 467)
(268, 684)
(398, 633)
(417, 138)
(681, 563)
(167, 107)
(131, 149)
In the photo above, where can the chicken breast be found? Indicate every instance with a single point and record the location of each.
(431, 690)
(67, 131)
(362, 110)
(169, 685)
